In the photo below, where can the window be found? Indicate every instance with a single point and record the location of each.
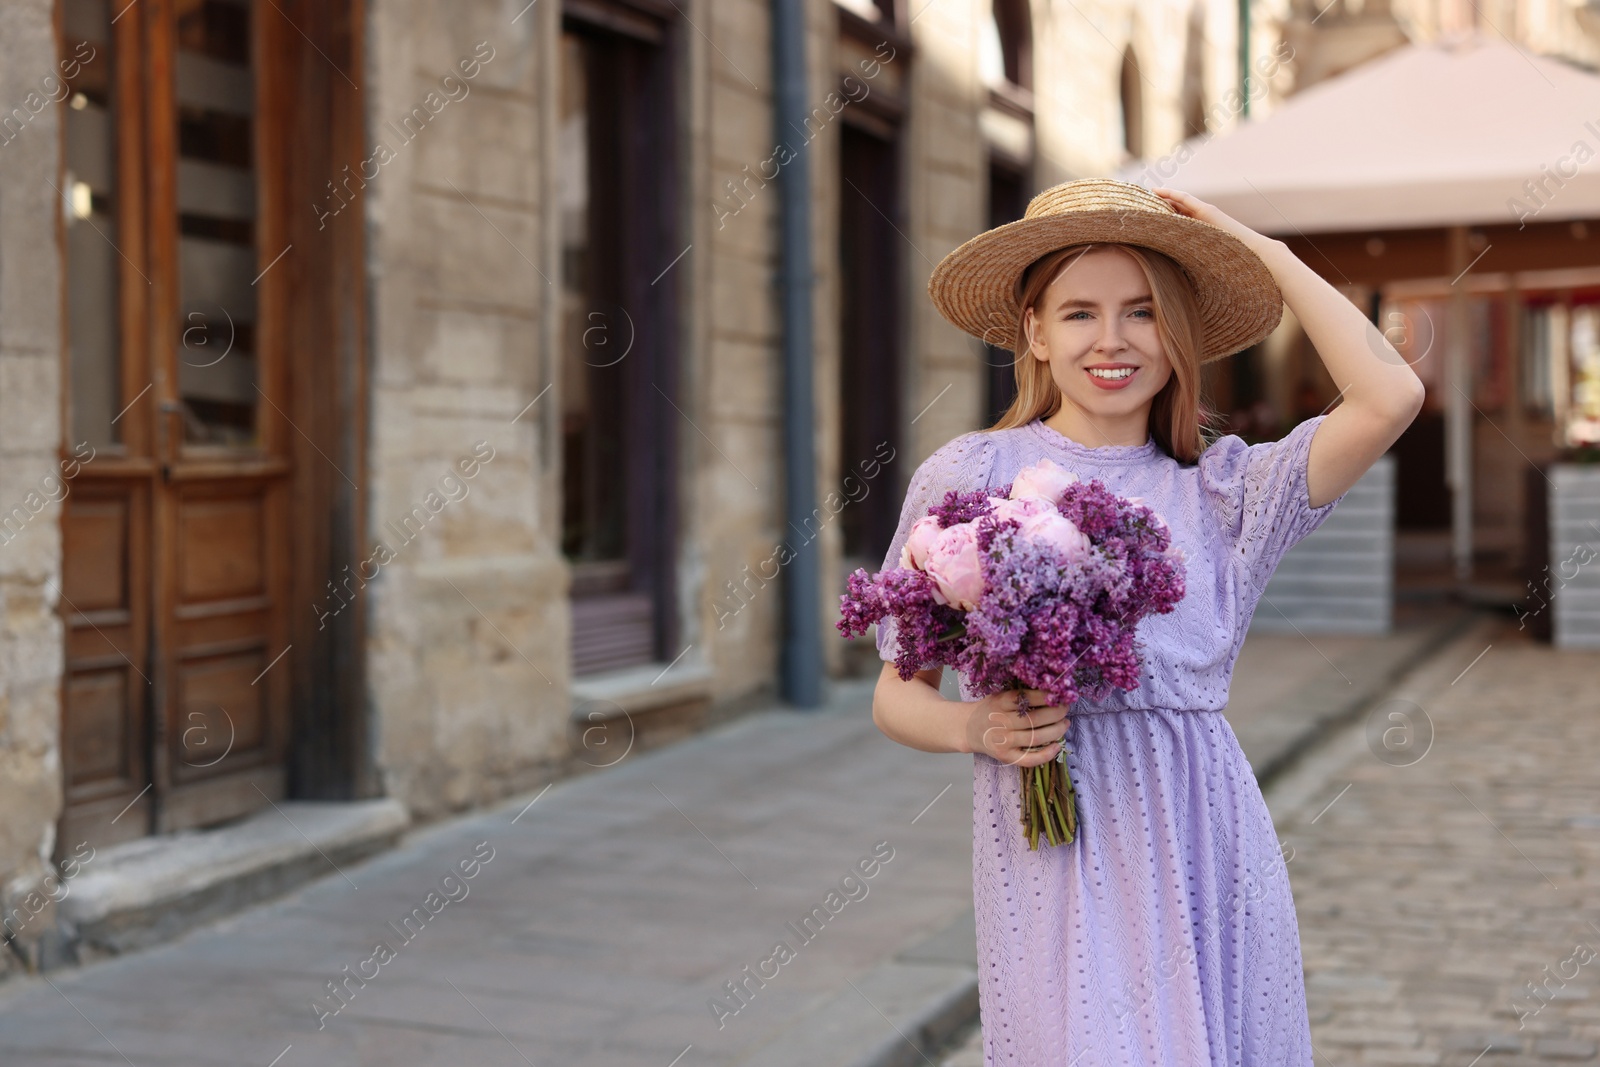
(617, 283)
(1132, 106)
(1582, 423)
(1194, 70)
(1006, 64)
(1008, 199)
(870, 287)
(1005, 45)
(91, 220)
(880, 11)
(1012, 34)
(991, 54)
(1544, 329)
(595, 516)
(217, 254)
(1559, 368)
(208, 155)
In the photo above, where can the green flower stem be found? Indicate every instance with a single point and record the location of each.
(1049, 800)
(1043, 806)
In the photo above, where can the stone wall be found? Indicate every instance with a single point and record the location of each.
(468, 630)
(948, 193)
(1078, 130)
(470, 626)
(731, 425)
(30, 438)
(468, 676)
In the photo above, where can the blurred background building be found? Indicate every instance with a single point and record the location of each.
(392, 394)
(1437, 169)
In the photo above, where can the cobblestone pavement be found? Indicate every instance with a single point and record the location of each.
(1446, 864)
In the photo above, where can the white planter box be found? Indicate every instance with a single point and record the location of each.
(1339, 579)
(1574, 567)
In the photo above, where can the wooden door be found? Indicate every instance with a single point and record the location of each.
(175, 535)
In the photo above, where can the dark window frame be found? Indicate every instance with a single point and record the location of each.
(1013, 20)
(625, 609)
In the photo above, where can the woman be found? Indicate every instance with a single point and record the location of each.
(1165, 934)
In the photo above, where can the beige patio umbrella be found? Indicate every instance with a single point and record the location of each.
(1453, 133)
(1450, 134)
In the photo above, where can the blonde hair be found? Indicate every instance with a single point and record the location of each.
(1177, 423)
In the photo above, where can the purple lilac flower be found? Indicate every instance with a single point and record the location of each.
(964, 507)
(1062, 626)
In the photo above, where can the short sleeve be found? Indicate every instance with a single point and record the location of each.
(963, 464)
(1261, 497)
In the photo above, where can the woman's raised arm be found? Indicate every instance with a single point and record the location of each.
(1380, 392)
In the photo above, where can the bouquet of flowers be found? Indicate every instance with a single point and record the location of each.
(1040, 587)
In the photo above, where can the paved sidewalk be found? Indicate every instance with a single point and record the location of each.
(605, 916)
(1290, 690)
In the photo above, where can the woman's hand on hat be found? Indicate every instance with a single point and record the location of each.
(1195, 208)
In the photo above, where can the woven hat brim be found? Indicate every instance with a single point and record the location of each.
(1240, 303)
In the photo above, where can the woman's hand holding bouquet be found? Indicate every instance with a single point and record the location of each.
(1033, 595)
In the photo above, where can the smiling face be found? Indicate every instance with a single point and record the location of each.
(1095, 325)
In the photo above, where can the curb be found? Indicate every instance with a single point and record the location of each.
(1333, 716)
(148, 891)
(926, 992)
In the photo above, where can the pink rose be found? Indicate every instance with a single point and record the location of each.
(1059, 532)
(1021, 508)
(954, 566)
(1044, 479)
(918, 540)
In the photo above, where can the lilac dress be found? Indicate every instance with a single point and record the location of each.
(1166, 933)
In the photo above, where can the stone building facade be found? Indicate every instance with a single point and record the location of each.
(500, 481)
(1330, 38)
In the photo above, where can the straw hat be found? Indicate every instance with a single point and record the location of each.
(978, 286)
